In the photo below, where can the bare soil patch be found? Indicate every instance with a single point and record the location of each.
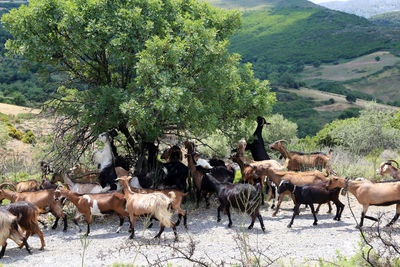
(14, 110)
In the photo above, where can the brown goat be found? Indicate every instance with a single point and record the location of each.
(387, 168)
(299, 161)
(296, 178)
(42, 199)
(28, 214)
(95, 204)
(369, 193)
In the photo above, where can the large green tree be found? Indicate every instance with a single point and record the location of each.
(145, 67)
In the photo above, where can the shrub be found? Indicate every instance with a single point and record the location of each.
(14, 133)
(29, 137)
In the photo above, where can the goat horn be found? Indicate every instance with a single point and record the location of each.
(391, 160)
(283, 141)
(8, 184)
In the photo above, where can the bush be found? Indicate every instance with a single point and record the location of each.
(29, 138)
(4, 137)
(14, 133)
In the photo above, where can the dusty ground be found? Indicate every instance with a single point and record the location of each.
(14, 110)
(215, 243)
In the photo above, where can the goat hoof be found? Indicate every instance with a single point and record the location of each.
(218, 220)
(289, 226)
(315, 223)
(230, 225)
(41, 248)
(250, 227)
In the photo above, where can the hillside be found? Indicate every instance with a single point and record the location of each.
(391, 19)
(364, 8)
(300, 32)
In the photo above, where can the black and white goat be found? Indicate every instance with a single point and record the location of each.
(105, 157)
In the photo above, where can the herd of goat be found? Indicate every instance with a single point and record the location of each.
(113, 189)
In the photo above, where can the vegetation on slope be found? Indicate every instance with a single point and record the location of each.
(391, 19)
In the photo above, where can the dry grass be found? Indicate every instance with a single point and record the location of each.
(14, 110)
(354, 69)
(340, 100)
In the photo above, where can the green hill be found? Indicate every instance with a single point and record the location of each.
(391, 19)
(299, 32)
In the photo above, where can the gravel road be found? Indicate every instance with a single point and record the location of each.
(214, 242)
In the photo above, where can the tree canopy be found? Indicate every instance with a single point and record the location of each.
(145, 67)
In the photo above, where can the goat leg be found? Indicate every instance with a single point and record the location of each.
(330, 207)
(185, 220)
(55, 223)
(280, 198)
(219, 213)
(26, 245)
(179, 220)
(296, 207)
(253, 219)
(229, 217)
(393, 220)
(121, 222)
(75, 220)
(88, 229)
(3, 250)
(160, 232)
(313, 213)
(43, 224)
(65, 223)
(175, 233)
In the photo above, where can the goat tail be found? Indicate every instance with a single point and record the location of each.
(163, 215)
(172, 196)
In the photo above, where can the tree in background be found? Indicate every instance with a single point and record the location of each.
(351, 98)
(145, 67)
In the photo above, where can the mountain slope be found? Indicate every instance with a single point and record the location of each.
(364, 8)
(299, 32)
(391, 19)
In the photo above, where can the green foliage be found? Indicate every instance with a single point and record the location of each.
(395, 122)
(4, 137)
(29, 137)
(14, 133)
(371, 131)
(349, 113)
(175, 75)
(351, 98)
(377, 58)
(296, 32)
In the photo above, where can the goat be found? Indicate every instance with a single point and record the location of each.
(368, 193)
(107, 174)
(243, 197)
(387, 168)
(257, 147)
(299, 161)
(175, 173)
(297, 178)
(155, 204)
(81, 188)
(310, 194)
(175, 203)
(95, 204)
(9, 229)
(198, 172)
(46, 168)
(28, 214)
(42, 199)
(28, 185)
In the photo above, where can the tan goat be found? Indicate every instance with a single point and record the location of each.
(369, 193)
(299, 161)
(387, 168)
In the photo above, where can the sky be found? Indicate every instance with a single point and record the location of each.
(321, 1)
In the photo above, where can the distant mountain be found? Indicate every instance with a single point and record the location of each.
(364, 8)
(391, 19)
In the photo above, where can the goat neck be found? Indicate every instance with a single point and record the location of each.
(8, 194)
(107, 158)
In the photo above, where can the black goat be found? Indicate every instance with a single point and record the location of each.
(310, 194)
(108, 176)
(222, 174)
(243, 197)
(257, 147)
(175, 175)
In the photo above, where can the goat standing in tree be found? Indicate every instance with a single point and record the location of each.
(107, 175)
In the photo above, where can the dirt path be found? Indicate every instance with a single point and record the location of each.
(214, 242)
